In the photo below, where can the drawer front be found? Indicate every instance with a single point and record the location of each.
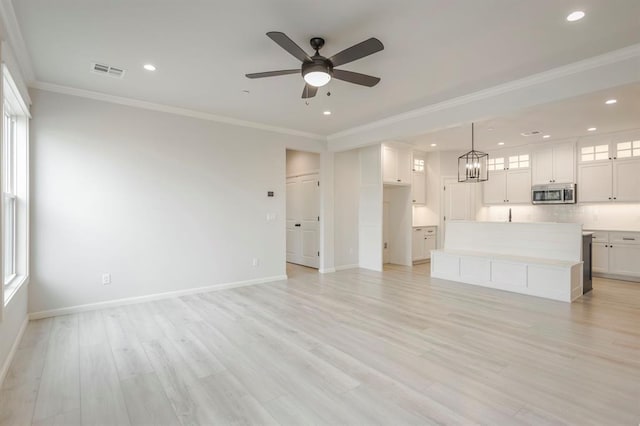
(624, 238)
(600, 236)
(430, 230)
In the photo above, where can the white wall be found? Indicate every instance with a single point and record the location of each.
(370, 209)
(162, 202)
(346, 198)
(13, 316)
(301, 162)
(622, 216)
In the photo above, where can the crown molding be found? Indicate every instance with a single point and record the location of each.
(608, 58)
(16, 41)
(99, 96)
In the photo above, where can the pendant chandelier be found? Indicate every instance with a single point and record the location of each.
(472, 166)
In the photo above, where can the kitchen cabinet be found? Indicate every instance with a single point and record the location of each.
(508, 187)
(396, 165)
(509, 178)
(554, 164)
(600, 257)
(418, 181)
(616, 254)
(609, 170)
(423, 241)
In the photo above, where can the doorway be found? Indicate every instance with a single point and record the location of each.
(303, 209)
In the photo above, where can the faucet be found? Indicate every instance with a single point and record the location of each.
(509, 214)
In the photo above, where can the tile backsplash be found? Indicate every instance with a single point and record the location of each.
(615, 216)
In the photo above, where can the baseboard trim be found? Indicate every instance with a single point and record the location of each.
(327, 270)
(157, 296)
(12, 352)
(345, 267)
(616, 277)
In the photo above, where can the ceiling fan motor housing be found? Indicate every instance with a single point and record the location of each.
(317, 64)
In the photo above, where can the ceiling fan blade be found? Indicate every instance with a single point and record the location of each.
(289, 45)
(309, 91)
(356, 78)
(272, 73)
(357, 51)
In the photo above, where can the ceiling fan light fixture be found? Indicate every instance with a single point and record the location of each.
(317, 78)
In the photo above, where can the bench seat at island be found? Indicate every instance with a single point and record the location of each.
(538, 259)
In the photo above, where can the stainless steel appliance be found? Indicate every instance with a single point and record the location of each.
(587, 278)
(555, 193)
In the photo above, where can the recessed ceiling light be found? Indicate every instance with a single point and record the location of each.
(611, 101)
(500, 143)
(546, 136)
(149, 67)
(434, 144)
(591, 129)
(575, 16)
(327, 113)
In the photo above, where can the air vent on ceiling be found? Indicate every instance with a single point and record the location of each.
(531, 133)
(109, 70)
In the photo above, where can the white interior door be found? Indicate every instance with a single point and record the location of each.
(303, 220)
(385, 232)
(294, 240)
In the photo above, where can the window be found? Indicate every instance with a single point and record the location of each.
(9, 194)
(494, 164)
(15, 188)
(628, 149)
(418, 165)
(594, 152)
(519, 161)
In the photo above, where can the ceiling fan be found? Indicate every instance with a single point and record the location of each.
(318, 70)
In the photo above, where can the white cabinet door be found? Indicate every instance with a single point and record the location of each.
(564, 163)
(403, 158)
(417, 244)
(600, 257)
(543, 167)
(418, 189)
(389, 164)
(494, 190)
(429, 244)
(623, 259)
(518, 186)
(626, 179)
(594, 182)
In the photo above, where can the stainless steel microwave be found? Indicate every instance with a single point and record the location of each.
(556, 193)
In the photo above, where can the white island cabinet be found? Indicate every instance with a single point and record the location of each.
(538, 259)
(616, 254)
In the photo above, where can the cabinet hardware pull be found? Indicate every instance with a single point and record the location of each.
(628, 239)
(297, 224)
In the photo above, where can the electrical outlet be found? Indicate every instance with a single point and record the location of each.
(106, 279)
(255, 262)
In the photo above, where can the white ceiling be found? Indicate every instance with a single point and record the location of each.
(569, 118)
(434, 50)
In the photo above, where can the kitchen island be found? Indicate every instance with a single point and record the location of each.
(538, 259)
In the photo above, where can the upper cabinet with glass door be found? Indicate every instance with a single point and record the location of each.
(609, 168)
(509, 177)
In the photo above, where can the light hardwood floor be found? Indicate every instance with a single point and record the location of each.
(354, 347)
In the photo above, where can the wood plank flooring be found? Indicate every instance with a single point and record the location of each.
(353, 347)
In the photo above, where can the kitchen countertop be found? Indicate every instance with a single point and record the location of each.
(425, 226)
